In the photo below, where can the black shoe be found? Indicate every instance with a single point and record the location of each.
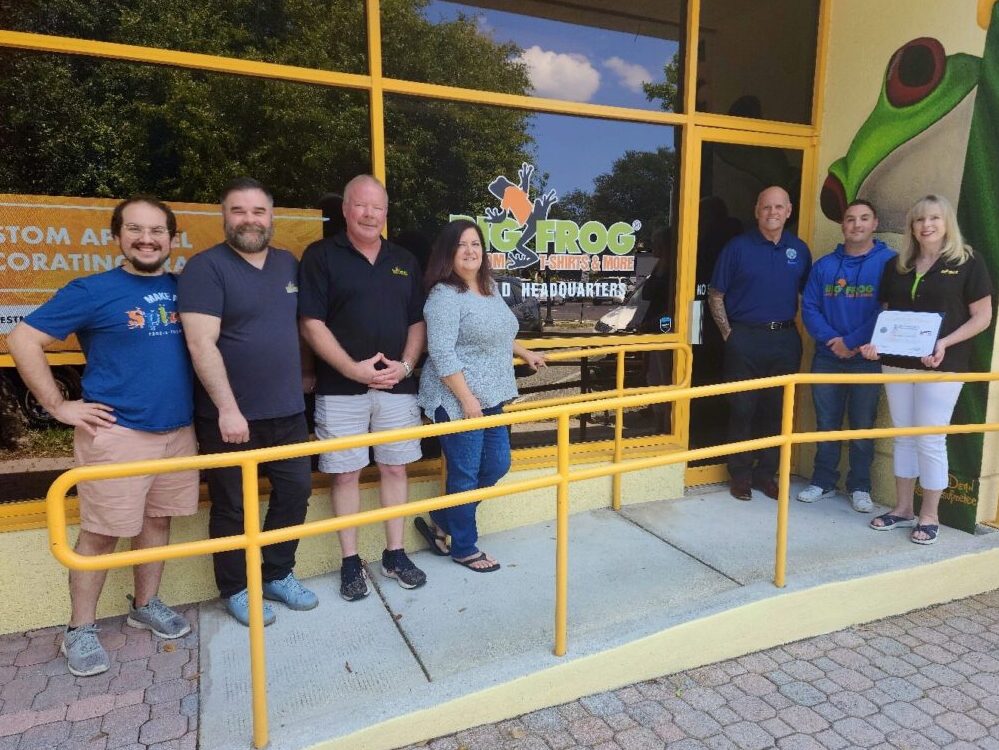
(353, 579)
(395, 564)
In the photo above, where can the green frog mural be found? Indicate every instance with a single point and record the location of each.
(935, 128)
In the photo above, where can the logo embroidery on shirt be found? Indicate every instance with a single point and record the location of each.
(400, 271)
(949, 271)
(291, 288)
(791, 253)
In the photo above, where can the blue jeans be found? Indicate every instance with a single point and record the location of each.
(859, 403)
(474, 459)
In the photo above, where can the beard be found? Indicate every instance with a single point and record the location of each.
(249, 238)
(142, 266)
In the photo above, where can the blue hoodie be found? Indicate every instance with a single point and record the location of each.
(841, 296)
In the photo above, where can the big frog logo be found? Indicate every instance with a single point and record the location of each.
(519, 233)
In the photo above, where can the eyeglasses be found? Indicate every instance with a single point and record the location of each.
(135, 230)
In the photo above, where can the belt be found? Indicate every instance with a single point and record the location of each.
(774, 325)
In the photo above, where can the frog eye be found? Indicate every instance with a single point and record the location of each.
(914, 71)
(832, 199)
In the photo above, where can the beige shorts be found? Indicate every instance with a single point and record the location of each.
(117, 507)
(374, 411)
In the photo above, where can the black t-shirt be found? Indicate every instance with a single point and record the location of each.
(368, 307)
(258, 339)
(946, 288)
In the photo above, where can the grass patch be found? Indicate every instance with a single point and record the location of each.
(53, 443)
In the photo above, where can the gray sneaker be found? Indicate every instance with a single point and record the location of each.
(158, 617)
(84, 652)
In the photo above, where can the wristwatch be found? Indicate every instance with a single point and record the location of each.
(408, 367)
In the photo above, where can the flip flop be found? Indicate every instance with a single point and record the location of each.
(438, 544)
(892, 522)
(930, 529)
(478, 558)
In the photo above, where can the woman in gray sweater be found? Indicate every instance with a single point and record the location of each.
(471, 342)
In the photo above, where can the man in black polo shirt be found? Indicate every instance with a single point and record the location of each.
(361, 308)
(753, 299)
(239, 306)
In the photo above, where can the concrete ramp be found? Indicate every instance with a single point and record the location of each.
(330, 664)
(659, 587)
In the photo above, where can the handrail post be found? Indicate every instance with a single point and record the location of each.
(255, 591)
(562, 538)
(618, 433)
(784, 484)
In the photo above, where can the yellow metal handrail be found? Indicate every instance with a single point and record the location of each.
(253, 538)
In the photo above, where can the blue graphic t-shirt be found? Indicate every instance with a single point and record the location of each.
(129, 330)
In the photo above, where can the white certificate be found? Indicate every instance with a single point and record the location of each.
(909, 334)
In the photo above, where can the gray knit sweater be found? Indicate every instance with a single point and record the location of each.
(471, 334)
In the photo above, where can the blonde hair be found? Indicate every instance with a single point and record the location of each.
(363, 179)
(953, 251)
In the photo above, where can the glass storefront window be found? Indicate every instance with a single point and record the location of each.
(579, 219)
(756, 58)
(87, 127)
(586, 52)
(328, 34)
(80, 133)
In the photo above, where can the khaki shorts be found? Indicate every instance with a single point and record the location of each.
(117, 507)
(374, 411)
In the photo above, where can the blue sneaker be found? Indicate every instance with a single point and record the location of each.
(238, 606)
(291, 593)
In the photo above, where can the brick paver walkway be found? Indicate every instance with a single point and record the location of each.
(148, 699)
(929, 679)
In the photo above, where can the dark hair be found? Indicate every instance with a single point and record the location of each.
(245, 183)
(116, 215)
(440, 267)
(862, 202)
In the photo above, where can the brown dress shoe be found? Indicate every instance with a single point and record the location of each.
(767, 486)
(741, 488)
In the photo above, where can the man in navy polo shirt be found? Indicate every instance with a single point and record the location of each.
(754, 299)
(361, 307)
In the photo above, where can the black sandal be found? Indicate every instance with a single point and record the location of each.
(436, 541)
(481, 557)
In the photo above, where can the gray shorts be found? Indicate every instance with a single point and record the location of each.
(374, 411)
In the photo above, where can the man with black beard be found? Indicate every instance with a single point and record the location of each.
(239, 303)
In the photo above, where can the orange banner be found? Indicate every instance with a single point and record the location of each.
(47, 241)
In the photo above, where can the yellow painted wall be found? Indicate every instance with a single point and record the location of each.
(863, 37)
(191, 580)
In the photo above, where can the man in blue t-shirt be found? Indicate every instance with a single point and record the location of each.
(239, 306)
(136, 406)
(839, 308)
(753, 299)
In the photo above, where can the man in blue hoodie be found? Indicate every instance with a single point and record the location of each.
(839, 308)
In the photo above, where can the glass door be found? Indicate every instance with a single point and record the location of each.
(734, 167)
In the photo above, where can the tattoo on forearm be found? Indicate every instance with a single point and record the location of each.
(716, 303)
